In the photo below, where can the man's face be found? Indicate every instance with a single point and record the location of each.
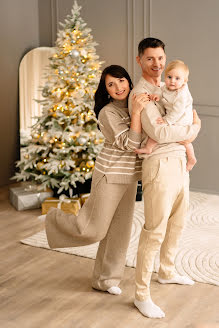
(152, 62)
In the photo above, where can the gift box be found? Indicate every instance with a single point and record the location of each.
(26, 198)
(83, 198)
(68, 205)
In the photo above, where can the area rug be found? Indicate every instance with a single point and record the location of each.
(198, 254)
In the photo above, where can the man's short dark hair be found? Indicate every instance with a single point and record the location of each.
(149, 43)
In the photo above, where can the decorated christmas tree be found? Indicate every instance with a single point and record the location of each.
(65, 140)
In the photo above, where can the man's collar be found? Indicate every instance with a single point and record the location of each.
(150, 87)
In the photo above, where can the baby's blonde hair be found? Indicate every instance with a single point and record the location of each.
(177, 64)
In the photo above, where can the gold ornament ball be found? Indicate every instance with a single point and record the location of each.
(46, 137)
(83, 166)
(90, 164)
(39, 165)
(58, 145)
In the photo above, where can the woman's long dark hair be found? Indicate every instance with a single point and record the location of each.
(101, 96)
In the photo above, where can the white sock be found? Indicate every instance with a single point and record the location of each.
(149, 309)
(177, 279)
(42, 217)
(114, 290)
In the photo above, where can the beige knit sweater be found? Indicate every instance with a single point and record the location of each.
(167, 136)
(117, 160)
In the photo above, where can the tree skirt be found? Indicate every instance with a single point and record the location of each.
(198, 254)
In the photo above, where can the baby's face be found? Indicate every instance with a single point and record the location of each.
(175, 79)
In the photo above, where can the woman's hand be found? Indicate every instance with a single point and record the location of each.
(139, 102)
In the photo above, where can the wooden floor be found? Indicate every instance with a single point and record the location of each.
(46, 289)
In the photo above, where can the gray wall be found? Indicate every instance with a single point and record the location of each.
(189, 29)
(21, 29)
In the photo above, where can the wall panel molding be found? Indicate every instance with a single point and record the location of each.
(207, 110)
(130, 36)
(138, 21)
(54, 13)
(147, 5)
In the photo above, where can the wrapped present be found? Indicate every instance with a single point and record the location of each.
(26, 198)
(83, 198)
(68, 205)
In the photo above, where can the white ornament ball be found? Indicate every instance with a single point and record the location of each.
(74, 53)
(82, 140)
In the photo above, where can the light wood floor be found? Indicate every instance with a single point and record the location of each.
(46, 289)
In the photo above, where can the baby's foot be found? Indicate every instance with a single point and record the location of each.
(149, 309)
(190, 163)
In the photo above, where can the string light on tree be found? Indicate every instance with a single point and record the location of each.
(65, 140)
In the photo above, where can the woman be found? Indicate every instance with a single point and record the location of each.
(107, 214)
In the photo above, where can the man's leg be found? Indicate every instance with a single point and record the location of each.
(160, 187)
(111, 256)
(175, 225)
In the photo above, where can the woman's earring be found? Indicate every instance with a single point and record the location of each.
(108, 96)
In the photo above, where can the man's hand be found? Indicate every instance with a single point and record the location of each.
(196, 120)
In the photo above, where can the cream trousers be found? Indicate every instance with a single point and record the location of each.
(106, 217)
(165, 184)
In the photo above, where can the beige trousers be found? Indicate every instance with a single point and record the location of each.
(166, 198)
(106, 217)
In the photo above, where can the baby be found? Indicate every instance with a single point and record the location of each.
(177, 102)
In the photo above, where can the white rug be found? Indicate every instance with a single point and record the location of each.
(198, 255)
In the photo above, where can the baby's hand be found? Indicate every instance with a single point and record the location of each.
(154, 97)
(160, 120)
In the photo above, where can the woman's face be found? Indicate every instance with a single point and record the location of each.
(118, 88)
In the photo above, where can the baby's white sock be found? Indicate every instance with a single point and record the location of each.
(42, 217)
(149, 309)
(114, 290)
(177, 279)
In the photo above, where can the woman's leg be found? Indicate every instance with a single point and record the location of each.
(111, 255)
(93, 220)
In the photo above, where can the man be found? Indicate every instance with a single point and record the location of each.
(165, 182)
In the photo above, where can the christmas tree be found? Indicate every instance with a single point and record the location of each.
(65, 140)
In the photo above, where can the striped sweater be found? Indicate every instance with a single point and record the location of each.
(117, 160)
